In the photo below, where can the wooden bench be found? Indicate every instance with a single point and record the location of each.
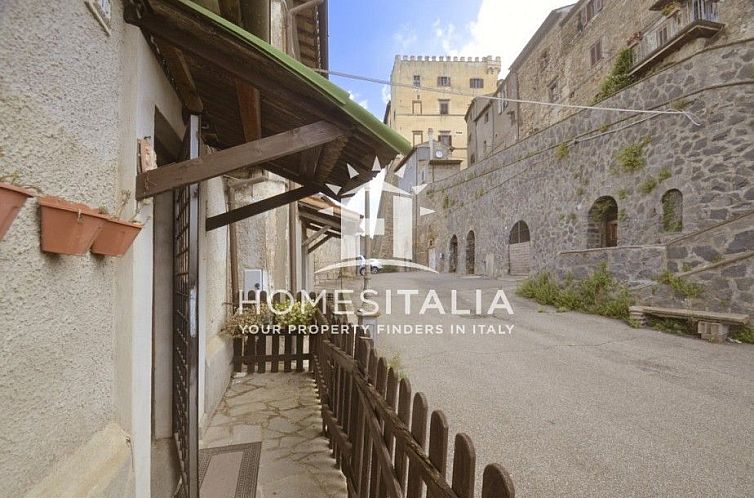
(712, 325)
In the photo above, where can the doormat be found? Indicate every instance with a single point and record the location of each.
(229, 471)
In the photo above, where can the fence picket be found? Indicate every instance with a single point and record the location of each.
(381, 386)
(391, 394)
(497, 483)
(275, 353)
(367, 444)
(299, 352)
(404, 413)
(438, 441)
(238, 354)
(288, 348)
(464, 463)
(261, 353)
(419, 431)
(357, 434)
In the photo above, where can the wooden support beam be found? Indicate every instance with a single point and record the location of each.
(318, 244)
(184, 82)
(329, 158)
(259, 207)
(249, 154)
(315, 235)
(309, 161)
(320, 218)
(250, 109)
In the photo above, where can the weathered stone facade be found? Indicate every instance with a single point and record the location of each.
(573, 53)
(413, 111)
(551, 179)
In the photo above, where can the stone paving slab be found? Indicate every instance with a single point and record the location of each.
(282, 411)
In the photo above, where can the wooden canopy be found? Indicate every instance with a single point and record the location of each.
(259, 107)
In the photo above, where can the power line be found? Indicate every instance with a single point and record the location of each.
(686, 114)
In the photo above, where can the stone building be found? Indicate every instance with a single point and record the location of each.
(423, 97)
(569, 58)
(427, 163)
(641, 193)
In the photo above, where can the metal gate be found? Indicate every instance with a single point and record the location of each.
(185, 327)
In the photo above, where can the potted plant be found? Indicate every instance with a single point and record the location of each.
(68, 227)
(12, 198)
(117, 234)
(251, 320)
(289, 314)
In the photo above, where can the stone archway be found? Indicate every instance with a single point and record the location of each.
(453, 254)
(672, 211)
(470, 252)
(603, 223)
(519, 246)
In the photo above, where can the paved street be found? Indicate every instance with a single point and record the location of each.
(578, 405)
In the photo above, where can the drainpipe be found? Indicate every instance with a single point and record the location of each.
(291, 24)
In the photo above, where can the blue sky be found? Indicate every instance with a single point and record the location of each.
(365, 35)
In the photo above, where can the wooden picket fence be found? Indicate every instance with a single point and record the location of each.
(378, 435)
(268, 352)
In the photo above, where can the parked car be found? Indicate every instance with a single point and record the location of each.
(374, 264)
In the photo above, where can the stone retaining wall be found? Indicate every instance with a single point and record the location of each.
(551, 179)
(630, 263)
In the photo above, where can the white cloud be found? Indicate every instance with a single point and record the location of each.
(500, 29)
(446, 35)
(405, 38)
(357, 98)
(385, 94)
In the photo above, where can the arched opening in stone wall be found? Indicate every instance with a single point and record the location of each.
(519, 249)
(453, 254)
(602, 230)
(470, 252)
(672, 211)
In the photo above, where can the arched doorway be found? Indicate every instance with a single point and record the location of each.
(453, 255)
(672, 211)
(603, 223)
(519, 249)
(470, 252)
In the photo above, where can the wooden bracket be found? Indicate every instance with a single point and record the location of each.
(219, 163)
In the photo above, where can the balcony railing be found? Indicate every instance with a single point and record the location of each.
(681, 21)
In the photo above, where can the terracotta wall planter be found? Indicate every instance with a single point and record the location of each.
(116, 237)
(12, 198)
(68, 227)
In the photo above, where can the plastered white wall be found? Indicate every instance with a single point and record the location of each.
(215, 353)
(76, 350)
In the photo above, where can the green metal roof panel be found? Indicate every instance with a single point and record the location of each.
(324, 86)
